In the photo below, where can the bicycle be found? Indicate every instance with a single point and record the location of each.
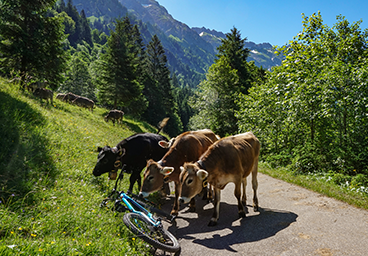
(141, 218)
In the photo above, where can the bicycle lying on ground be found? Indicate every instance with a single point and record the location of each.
(142, 219)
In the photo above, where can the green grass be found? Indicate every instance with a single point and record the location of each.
(317, 183)
(49, 197)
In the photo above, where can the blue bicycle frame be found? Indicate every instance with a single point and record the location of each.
(135, 207)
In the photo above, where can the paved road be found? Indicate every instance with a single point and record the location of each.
(292, 221)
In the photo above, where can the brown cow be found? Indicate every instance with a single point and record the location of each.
(84, 102)
(187, 147)
(114, 115)
(43, 93)
(60, 96)
(69, 97)
(230, 159)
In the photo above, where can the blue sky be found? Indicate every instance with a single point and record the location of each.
(262, 21)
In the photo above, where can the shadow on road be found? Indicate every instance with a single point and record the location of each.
(230, 230)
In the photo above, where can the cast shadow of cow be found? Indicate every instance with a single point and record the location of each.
(230, 230)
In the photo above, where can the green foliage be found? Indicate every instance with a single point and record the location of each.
(49, 199)
(117, 81)
(313, 106)
(31, 42)
(158, 89)
(230, 75)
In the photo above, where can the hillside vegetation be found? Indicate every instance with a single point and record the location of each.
(49, 199)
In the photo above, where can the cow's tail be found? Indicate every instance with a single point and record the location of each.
(162, 124)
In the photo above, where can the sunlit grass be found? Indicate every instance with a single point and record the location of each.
(49, 199)
(320, 183)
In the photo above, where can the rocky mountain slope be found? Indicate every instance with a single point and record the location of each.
(190, 51)
(262, 54)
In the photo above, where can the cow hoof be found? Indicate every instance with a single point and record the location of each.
(255, 208)
(241, 214)
(212, 223)
(174, 213)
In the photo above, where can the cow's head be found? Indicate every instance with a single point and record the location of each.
(192, 180)
(154, 177)
(108, 160)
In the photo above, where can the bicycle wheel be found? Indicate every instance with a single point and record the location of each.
(158, 237)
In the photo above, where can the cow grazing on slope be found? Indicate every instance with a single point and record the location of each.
(84, 102)
(134, 152)
(43, 93)
(230, 159)
(60, 96)
(114, 115)
(69, 97)
(186, 147)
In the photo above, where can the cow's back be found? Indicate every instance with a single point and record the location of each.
(187, 147)
(228, 154)
(141, 147)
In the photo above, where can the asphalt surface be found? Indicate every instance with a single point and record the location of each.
(291, 221)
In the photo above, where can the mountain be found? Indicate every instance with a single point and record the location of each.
(190, 51)
(262, 54)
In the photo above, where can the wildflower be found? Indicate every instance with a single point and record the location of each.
(33, 235)
(52, 242)
(11, 232)
(133, 238)
(40, 250)
(20, 228)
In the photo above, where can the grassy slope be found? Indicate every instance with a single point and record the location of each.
(49, 197)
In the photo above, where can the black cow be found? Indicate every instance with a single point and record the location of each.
(134, 152)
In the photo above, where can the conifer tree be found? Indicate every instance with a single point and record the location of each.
(160, 92)
(31, 42)
(86, 34)
(118, 85)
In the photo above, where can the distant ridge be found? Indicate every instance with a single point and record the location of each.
(190, 51)
(262, 54)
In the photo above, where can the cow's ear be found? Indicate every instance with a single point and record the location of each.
(182, 169)
(202, 174)
(98, 149)
(163, 144)
(167, 170)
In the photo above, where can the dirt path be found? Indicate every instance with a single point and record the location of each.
(292, 221)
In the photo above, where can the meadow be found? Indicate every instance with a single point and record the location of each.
(49, 199)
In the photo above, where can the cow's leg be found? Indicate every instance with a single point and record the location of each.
(255, 186)
(165, 190)
(192, 205)
(135, 176)
(175, 208)
(237, 193)
(244, 191)
(216, 203)
(205, 193)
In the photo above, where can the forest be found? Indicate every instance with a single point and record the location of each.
(310, 113)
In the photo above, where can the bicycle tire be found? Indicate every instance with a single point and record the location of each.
(159, 238)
